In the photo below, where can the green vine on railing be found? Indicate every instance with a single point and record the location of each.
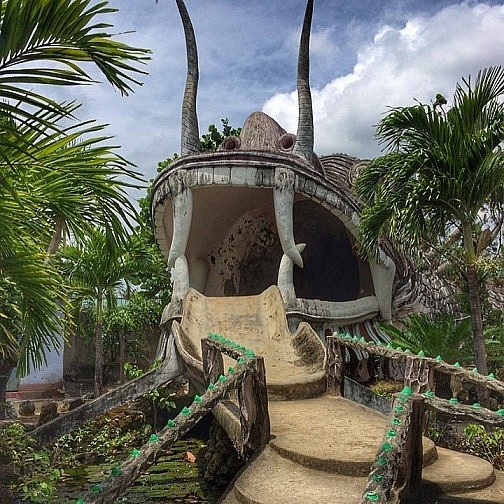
(139, 460)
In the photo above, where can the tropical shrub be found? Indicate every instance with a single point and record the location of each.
(442, 335)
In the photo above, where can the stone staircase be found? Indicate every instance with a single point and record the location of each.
(322, 447)
(321, 452)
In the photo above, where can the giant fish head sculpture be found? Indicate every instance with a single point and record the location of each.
(266, 210)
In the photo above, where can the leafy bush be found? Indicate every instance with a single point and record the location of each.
(485, 444)
(442, 335)
(32, 475)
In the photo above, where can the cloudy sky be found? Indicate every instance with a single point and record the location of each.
(366, 55)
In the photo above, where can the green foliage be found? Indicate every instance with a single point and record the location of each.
(147, 266)
(159, 397)
(494, 341)
(35, 477)
(132, 371)
(96, 442)
(442, 335)
(442, 171)
(67, 34)
(134, 319)
(57, 174)
(211, 141)
(485, 444)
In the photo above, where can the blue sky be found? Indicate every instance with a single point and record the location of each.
(366, 55)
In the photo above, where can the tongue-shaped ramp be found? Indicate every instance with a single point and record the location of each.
(295, 363)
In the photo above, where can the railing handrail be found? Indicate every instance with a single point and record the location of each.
(392, 474)
(249, 371)
(472, 376)
(383, 482)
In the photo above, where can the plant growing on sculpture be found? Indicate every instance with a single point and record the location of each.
(442, 169)
(209, 142)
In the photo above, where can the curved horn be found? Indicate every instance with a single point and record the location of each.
(189, 130)
(304, 141)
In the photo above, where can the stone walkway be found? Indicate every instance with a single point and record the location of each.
(322, 448)
(321, 452)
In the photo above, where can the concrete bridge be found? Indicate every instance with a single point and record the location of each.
(322, 447)
(304, 441)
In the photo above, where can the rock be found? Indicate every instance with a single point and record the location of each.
(10, 413)
(189, 457)
(48, 412)
(27, 408)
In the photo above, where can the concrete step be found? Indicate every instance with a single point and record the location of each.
(493, 494)
(322, 449)
(272, 479)
(458, 472)
(331, 434)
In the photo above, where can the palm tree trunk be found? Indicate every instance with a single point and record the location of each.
(59, 223)
(98, 377)
(6, 366)
(122, 355)
(476, 319)
(475, 307)
(474, 300)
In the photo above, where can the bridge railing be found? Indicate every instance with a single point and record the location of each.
(247, 376)
(396, 474)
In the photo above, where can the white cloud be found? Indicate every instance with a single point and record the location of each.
(426, 56)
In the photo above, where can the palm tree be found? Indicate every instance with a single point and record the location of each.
(53, 178)
(443, 168)
(96, 273)
(66, 33)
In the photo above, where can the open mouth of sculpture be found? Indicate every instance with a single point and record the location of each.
(235, 223)
(265, 210)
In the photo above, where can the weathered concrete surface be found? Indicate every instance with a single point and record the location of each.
(322, 449)
(454, 471)
(274, 479)
(295, 363)
(489, 495)
(331, 434)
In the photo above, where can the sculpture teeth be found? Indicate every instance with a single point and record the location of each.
(182, 217)
(286, 278)
(283, 199)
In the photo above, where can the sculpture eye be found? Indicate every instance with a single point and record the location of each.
(231, 143)
(287, 141)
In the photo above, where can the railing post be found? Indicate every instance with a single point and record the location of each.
(253, 403)
(409, 478)
(418, 375)
(335, 367)
(213, 363)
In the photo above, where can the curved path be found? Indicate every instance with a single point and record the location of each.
(322, 447)
(321, 452)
